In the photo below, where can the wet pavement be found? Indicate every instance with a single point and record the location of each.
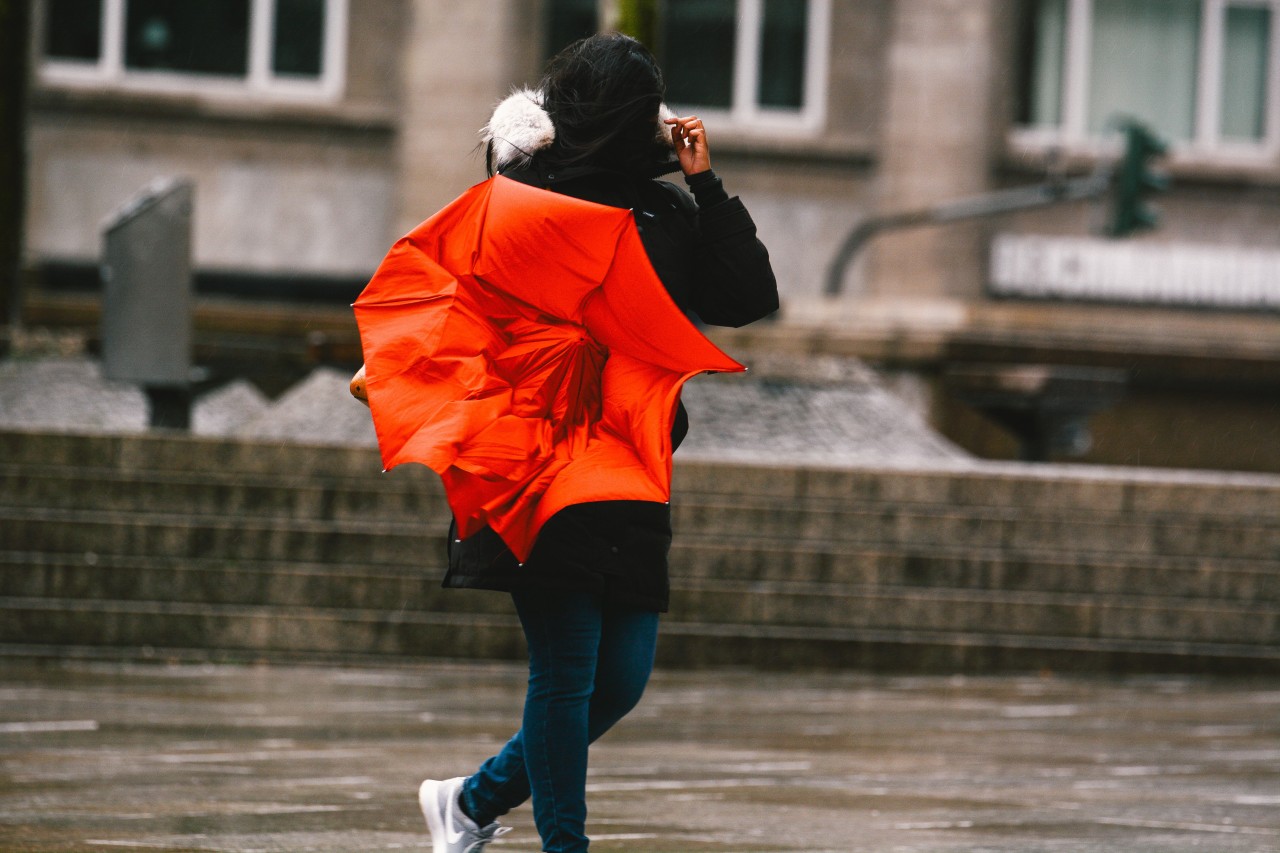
(111, 757)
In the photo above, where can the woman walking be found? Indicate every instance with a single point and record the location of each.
(590, 590)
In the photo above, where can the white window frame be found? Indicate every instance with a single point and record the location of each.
(1206, 143)
(109, 71)
(745, 113)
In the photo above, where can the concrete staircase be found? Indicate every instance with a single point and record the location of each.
(169, 546)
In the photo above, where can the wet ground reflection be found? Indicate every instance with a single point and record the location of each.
(223, 758)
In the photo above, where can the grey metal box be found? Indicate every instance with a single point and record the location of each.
(147, 290)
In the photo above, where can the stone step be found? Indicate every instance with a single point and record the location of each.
(416, 500)
(1010, 529)
(342, 542)
(218, 579)
(205, 632)
(926, 651)
(258, 631)
(975, 612)
(364, 538)
(216, 547)
(406, 494)
(1061, 487)
(179, 452)
(412, 493)
(798, 526)
(787, 603)
(956, 567)
(414, 496)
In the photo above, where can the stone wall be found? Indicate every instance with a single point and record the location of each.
(282, 186)
(181, 548)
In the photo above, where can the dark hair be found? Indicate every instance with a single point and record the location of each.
(603, 93)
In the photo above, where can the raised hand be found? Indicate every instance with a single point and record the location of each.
(690, 140)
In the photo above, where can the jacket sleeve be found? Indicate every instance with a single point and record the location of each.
(733, 282)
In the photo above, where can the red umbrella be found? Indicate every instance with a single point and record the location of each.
(520, 344)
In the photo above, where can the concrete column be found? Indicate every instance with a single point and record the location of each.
(937, 141)
(460, 59)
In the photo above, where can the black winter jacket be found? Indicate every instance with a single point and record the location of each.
(706, 253)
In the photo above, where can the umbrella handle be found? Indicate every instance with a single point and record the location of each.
(357, 386)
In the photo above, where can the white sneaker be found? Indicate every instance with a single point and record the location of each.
(451, 830)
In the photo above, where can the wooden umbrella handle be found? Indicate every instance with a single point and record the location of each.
(358, 389)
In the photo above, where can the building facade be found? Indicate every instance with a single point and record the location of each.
(317, 131)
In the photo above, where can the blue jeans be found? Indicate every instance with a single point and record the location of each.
(588, 666)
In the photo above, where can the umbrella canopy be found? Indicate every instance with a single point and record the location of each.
(520, 344)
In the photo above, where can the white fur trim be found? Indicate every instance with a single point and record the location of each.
(518, 128)
(664, 129)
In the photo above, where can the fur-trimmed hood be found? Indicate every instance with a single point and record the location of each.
(519, 128)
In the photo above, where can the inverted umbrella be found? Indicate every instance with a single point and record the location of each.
(520, 344)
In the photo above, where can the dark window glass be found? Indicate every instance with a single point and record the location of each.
(200, 36)
(1144, 63)
(1041, 55)
(568, 21)
(73, 29)
(1247, 38)
(782, 53)
(298, 42)
(697, 51)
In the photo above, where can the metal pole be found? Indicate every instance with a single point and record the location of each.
(975, 207)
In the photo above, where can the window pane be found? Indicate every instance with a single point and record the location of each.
(782, 53)
(568, 21)
(1244, 73)
(1143, 64)
(1043, 52)
(201, 36)
(298, 41)
(73, 29)
(697, 51)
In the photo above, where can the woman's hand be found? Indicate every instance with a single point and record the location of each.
(690, 141)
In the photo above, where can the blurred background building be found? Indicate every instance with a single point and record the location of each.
(317, 131)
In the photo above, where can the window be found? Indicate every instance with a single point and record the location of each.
(290, 48)
(759, 63)
(1203, 74)
(750, 63)
(568, 21)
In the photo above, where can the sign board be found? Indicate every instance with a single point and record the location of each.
(1093, 269)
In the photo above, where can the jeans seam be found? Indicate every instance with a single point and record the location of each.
(555, 840)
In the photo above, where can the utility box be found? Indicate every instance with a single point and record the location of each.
(147, 298)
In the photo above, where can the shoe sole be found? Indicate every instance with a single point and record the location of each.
(428, 801)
